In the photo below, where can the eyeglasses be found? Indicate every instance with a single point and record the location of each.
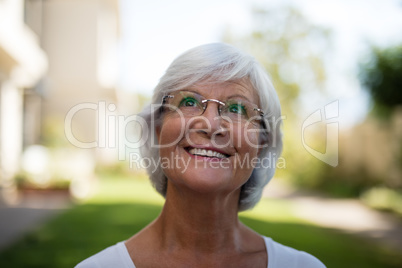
(193, 104)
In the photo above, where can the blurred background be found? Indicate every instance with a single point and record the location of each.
(73, 73)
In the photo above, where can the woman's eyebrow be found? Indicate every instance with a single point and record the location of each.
(238, 96)
(241, 96)
(191, 90)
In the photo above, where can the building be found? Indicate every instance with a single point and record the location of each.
(54, 55)
(23, 63)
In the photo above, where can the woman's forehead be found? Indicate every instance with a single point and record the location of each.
(241, 87)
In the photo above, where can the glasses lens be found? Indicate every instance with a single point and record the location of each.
(239, 110)
(187, 102)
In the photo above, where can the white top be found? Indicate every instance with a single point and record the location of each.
(279, 256)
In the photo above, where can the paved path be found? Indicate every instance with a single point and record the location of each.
(348, 215)
(30, 212)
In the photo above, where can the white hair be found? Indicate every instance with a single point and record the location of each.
(215, 63)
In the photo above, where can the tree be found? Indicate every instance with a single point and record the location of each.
(382, 77)
(291, 49)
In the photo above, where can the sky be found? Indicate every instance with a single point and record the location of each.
(154, 32)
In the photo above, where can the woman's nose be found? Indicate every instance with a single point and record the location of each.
(210, 121)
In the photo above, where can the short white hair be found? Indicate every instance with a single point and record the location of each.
(216, 63)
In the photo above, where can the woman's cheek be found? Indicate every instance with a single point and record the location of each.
(172, 130)
(251, 140)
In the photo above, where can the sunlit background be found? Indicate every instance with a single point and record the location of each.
(73, 72)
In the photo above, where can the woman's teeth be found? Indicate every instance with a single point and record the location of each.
(207, 153)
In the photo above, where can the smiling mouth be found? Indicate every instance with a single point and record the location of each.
(206, 153)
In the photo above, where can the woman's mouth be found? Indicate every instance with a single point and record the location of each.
(205, 153)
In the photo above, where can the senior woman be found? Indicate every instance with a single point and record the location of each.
(216, 120)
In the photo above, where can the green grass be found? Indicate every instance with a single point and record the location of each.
(123, 206)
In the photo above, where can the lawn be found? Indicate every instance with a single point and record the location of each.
(123, 206)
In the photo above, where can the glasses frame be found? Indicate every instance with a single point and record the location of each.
(205, 104)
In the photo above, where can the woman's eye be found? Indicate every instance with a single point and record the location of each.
(188, 102)
(237, 109)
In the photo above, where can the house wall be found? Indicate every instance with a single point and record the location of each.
(80, 39)
(22, 64)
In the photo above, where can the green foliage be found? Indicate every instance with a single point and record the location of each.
(382, 77)
(25, 181)
(384, 198)
(341, 183)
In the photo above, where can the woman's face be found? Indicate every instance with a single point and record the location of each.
(207, 153)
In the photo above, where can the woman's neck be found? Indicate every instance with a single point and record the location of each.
(204, 221)
(198, 230)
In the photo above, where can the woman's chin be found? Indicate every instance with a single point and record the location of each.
(207, 181)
